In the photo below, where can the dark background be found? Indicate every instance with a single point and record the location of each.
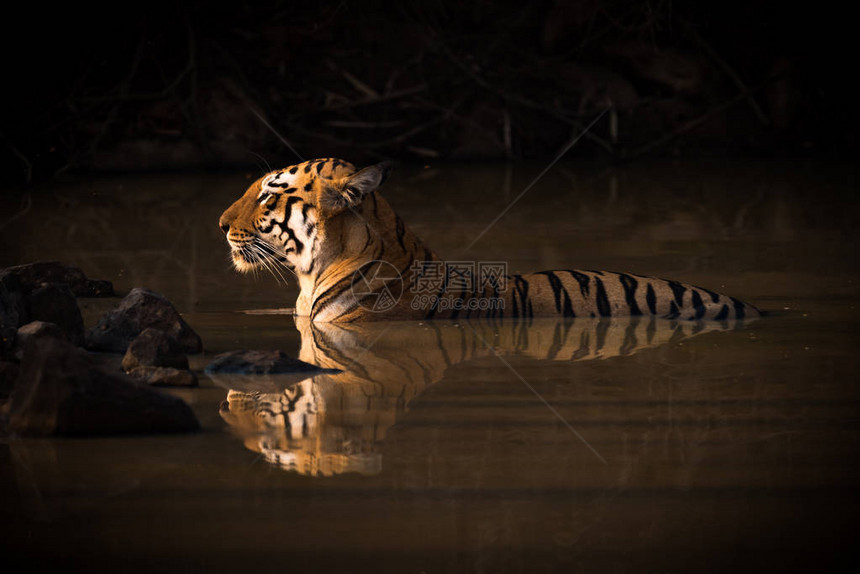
(141, 86)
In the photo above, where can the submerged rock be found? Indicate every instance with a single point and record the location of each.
(260, 363)
(61, 390)
(164, 376)
(154, 348)
(260, 371)
(139, 310)
(55, 303)
(32, 275)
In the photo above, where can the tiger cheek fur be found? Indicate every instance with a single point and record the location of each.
(275, 222)
(326, 222)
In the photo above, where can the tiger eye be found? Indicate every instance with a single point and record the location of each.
(271, 201)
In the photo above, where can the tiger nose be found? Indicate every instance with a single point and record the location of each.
(224, 225)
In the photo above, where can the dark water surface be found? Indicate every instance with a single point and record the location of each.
(596, 447)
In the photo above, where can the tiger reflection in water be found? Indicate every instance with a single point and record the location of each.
(293, 430)
(336, 422)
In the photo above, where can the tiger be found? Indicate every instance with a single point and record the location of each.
(326, 221)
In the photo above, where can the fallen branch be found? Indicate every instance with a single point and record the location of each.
(383, 98)
(360, 86)
(362, 125)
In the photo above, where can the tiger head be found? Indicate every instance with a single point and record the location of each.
(289, 428)
(291, 216)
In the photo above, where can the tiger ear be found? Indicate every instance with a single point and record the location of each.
(351, 190)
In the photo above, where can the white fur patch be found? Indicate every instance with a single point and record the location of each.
(280, 178)
(299, 225)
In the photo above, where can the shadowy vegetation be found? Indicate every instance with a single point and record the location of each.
(139, 87)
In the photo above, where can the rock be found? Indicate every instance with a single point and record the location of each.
(39, 329)
(40, 292)
(139, 310)
(36, 330)
(164, 376)
(55, 303)
(61, 391)
(154, 348)
(7, 341)
(260, 371)
(13, 312)
(32, 275)
(8, 375)
(260, 363)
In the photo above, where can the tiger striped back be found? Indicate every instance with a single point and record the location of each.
(576, 293)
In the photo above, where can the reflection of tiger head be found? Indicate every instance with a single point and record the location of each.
(289, 216)
(289, 430)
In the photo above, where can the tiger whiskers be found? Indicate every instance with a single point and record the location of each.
(266, 261)
(278, 257)
(268, 167)
(252, 255)
(271, 258)
(275, 273)
(244, 258)
(260, 258)
(251, 259)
